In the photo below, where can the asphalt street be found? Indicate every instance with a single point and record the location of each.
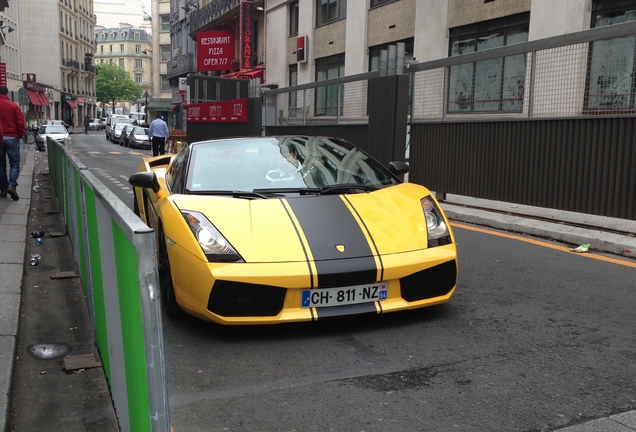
(44, 323)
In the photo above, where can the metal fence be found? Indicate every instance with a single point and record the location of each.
(485, 122)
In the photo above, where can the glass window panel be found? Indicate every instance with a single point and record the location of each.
(490, 41)
(610, 73)
(487, 85)
(461, 88)
(514, 83)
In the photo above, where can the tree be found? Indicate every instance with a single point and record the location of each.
(114, 85)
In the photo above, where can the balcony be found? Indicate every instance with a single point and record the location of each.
(210, 13)
(182, 65)
(73, 64)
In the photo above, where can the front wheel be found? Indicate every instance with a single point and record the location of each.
(168, 299)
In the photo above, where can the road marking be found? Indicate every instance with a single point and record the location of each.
(544, 244)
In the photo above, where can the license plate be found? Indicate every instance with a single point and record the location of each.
(344, 295)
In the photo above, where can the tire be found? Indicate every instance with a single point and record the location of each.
(168, 300)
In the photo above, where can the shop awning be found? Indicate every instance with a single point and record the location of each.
(44, 99)
(71, 104)
(80, 101)
(34, 97)
(159, 105)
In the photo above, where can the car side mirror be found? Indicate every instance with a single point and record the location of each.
(146, 180)
(398, 167)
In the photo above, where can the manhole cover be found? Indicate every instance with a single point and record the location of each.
(47, 351)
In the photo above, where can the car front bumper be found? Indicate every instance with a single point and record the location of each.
(266, 293)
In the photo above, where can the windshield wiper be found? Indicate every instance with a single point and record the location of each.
(337, 188)
(234, 194)
(344, 187)
(276, 191)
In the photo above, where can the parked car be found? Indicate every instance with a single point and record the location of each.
(263, 230)
(57, 132)
(123, 135)
(94, 124)
(116, 131)
(111, 121)
(138, 138)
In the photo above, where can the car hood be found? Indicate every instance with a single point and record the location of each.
(314, 228)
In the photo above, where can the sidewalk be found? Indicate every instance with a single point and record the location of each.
(13, 222)
(615, 236)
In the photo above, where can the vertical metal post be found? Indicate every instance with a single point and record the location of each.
(445, 89)
(304, 105)
(533, 66)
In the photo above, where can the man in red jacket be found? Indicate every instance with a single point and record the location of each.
(13, 128)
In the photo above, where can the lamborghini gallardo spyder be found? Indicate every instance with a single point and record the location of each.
(263, 230)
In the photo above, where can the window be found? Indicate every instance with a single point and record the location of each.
(165, 53)
(136, 36)
(121, 48)
(165, 83)
(293, 17)
(138, 64)
(610, 86)
(330, 10)
(138, 78)
(121, 63)
(379, 2)
(329, 99)
(375, 52)
(137, 49)
(495, 85)
(164, 22)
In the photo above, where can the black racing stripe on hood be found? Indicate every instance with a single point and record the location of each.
(326, 222)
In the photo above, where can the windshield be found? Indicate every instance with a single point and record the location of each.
(286, 164)
(53, 130)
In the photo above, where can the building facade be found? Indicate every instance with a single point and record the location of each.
(67, 90)
(130, 48)
(161, 92)
(337, 45)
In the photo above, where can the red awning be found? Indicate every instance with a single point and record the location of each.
(34, 97)
(71, 104)
(80, 101)
(45, 101)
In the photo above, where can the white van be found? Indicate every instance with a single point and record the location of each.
(111, 121)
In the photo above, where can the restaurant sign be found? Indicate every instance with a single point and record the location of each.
(215, 50)
(229, 111)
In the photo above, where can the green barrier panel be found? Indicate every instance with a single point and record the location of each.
(115, 253)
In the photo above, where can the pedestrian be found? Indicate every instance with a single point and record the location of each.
(13, 128)
(158, 133)
(87, 123)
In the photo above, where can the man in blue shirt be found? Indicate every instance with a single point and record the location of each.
(158, 133)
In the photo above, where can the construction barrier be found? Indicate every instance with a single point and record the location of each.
(114, 252)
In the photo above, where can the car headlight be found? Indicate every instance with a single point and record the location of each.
(438, 232)
(215, 247)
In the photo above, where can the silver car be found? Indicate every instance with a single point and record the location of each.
(56, 132)
(116, 135)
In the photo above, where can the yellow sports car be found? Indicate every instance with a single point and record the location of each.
(264, 230)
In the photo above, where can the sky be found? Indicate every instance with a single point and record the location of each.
(146, 4)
